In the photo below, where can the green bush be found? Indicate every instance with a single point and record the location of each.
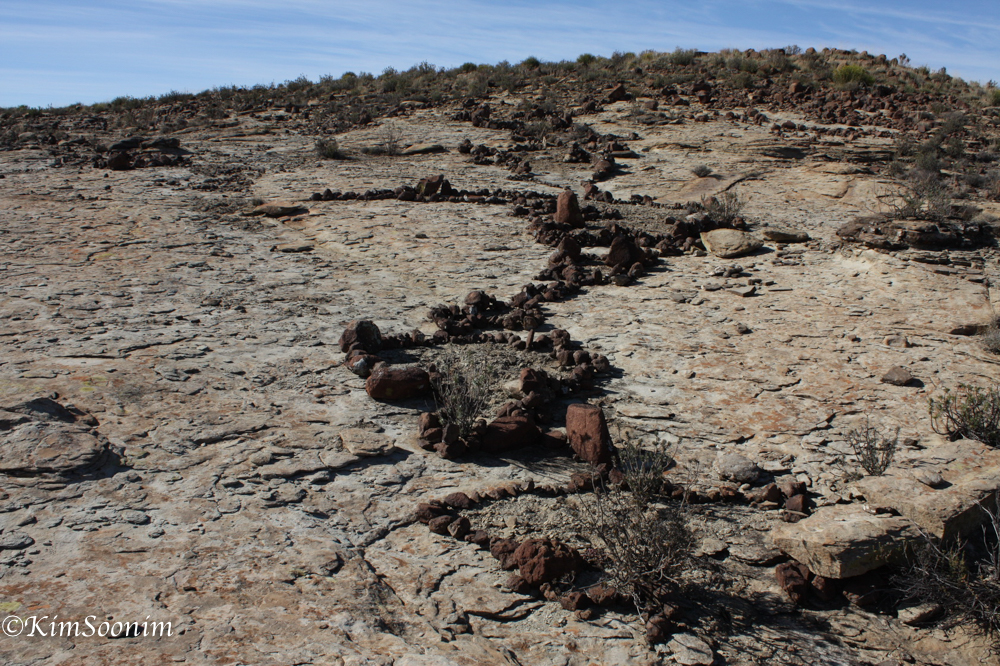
(586, 59)
(531, 62)
(993, 98)
(847, 74)
(970, 411)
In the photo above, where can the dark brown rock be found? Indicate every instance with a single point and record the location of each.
(793, 578)
(397, 384)
(510, 432)
(623, 253)
(587, 432)
(364, 332)
(544, 560)
(459, 500)
(440, 524)
(503, 551)
(568, 210)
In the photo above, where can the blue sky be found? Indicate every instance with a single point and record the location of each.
(57, 52)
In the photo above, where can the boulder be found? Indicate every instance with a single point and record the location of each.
(784, 235)
(841, 541)
(730, 243)
(623, 252)
(544, 560)
(568, 209)
(510, 432)
(970, 474)
(398, 383)
(364, 332)
(423, 149)
(897, 376)
(735, 467)
(587, 432)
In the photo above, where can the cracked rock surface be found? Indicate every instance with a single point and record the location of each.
(179, 439)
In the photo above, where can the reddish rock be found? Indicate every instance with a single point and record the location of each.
(459, 500)
(503, 550)
(768, 493)
(428, 511)
(510, 432)
(793, 578)
(624, 252)
(569, 247)
(790, 488)
(827, 589)
(568, 210)
(440, 524)
(544, 560)
(518, 585)
(361, 331)
(449, 450)
(480, 537)
(603, 595)
(398, 384)
(573, 601)
(460, 527)
(618, 93)
(798, 504)
(533, 381)
(587, 432)
(430, 185)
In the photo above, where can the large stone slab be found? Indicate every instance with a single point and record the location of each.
(730, 243)
(841, 541)
(971, 474)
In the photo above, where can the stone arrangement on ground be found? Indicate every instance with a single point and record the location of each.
(218, 356)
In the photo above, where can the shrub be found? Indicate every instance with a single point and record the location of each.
(644, 468)
(531, 62)
(847, 74)
(328, 149)
(682, 57)
(991, 337)
(644, 548)
(701, 171)
(390, 137)
(586, 59)
(962, 578)
(724, 209)
(993, 98)
(873, 448)
(971, 412)
(464, 385)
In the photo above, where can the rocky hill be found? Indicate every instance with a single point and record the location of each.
(661, 358)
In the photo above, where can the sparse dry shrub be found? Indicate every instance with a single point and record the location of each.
(389, 141)
(464, 385)
(644, 467)
(969, 411)
(873, 447)
(725, 208)
(963, 578)
(701, 171)
(644, 546)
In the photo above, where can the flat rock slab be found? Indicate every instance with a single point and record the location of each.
(48, 447)
(423, 149)
(784, 235)
(971, 475)
(842, 541)
(730, 243)
(689, 650)
(365, 443)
